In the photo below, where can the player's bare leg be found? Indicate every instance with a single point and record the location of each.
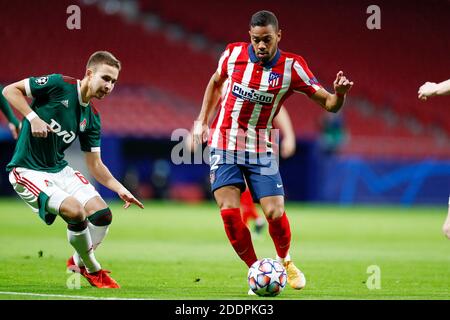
(228, 199)
(280, 231)
(79, 237)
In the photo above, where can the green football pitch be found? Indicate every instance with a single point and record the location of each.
(180, 251)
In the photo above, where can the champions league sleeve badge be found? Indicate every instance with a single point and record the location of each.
(41, 81)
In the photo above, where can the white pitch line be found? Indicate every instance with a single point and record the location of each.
(65, 296)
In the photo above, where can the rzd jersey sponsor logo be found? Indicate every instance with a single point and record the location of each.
(252, 95)
(67, 137)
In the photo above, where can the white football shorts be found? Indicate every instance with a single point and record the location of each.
(57, 186)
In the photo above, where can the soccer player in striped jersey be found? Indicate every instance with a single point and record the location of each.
(60, 112)
(260, 78)
(287, 149)
(13, 124)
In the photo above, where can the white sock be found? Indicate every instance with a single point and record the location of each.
(285, 259)
(77, 259)
(82, 243)
(98, 233)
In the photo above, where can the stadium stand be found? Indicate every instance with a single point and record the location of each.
(376, 60)
(164, 75)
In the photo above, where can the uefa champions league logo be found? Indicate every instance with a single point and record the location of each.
(41, 81)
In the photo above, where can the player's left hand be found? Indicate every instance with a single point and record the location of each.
(428, 89)
(129, 199)
(342, 85)
(14, 130)
(446, 227)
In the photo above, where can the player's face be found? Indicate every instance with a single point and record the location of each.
(265, 41)
(102, 80)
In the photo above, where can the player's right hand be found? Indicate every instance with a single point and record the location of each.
(189, 143)
(200, 133)
(40, 128)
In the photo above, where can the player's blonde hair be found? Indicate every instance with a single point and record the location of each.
(103, 57)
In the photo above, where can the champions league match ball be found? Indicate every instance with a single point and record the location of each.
(267, 277)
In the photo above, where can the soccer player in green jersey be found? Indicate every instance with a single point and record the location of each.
(60, 112)
(13, 123)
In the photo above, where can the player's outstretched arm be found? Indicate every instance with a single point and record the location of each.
(102, 174)
(15, 94)
(430, 89)
(210, 100)
(283, 122)
(333, 102)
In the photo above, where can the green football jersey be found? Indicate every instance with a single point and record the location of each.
(57, 101)
(6, 109)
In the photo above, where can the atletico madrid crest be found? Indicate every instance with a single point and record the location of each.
(274, 79)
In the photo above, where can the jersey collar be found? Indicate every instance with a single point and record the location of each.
(268, 64)
(80, 100)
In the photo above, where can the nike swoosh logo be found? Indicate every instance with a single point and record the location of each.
(279, 185)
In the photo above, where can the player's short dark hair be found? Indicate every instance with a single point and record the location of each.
(264, 18)
(103, 57)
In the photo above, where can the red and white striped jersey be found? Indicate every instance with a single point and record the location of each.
(253, 96)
